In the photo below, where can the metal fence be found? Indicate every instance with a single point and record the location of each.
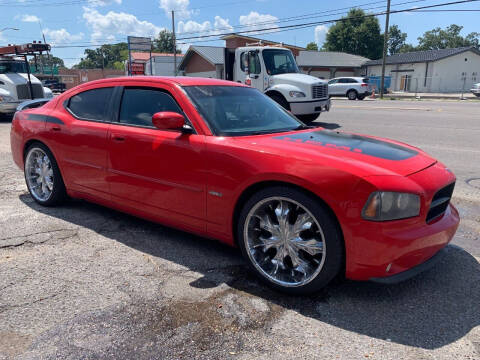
(448, 83)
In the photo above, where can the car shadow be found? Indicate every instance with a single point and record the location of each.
(434, 309)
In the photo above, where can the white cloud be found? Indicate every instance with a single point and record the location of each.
(94, 3)
(61, 36)
(180, 7)
(113, 25)
(30, 18)
(320, 34)
(220, 25)
(254, 21)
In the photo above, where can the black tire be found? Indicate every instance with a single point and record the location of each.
(361, 97)
(352, 95)
(279, 99)
(58, 193)
(333, 240)
(307, 119)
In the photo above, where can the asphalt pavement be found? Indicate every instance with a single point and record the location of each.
(85, 282)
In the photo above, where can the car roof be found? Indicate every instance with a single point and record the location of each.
(179, 80)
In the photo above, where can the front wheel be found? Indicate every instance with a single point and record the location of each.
(43, 177)
(308, 118)
(290, 240)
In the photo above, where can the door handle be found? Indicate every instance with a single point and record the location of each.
(56, 128)
(118, 137)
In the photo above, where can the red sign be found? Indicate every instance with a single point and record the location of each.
(138, 69)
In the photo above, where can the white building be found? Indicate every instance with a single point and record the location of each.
(445, 70)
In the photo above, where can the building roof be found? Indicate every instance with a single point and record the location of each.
(423, 56)
(213, 54)
(329, 59)
(145, 56)
(253, 39)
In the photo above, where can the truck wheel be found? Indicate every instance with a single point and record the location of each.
(307, 119)
(290, 240)
(279, 99)
(351, 94)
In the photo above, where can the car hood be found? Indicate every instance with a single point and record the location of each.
(358, 154)
(18, 78)
(296, 78)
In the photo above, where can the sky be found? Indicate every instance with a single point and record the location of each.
(81, 23)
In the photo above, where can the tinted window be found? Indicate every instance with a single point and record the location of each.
(232, 110)
(91, 104)
(139, 105)
(334, 81)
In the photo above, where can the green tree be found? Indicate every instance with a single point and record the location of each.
(396, 39)
(449, 37)
(407, 48)
(356, 34)
(106, 56)
(164, 42)
(312, 46)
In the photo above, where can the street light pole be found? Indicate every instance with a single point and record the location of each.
(385, 45)
(174, 45)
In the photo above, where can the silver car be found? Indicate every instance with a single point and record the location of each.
(476, 89)
(351, 87)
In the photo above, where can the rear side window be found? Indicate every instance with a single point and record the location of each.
(347, 81)
(139, 105)
(91, 104)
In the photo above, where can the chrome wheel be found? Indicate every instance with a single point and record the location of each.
(284, 241)
(39, 174)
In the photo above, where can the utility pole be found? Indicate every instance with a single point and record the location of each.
(385, 45)
(174, 45)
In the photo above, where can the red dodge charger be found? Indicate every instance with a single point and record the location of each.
(222, 160)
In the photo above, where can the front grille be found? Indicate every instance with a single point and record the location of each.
(319, 91)
(23, 91)
(440, 202)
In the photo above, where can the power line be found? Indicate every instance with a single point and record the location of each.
(311, 24)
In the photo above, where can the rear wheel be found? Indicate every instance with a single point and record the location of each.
(43, 178)
(351, 94)
(308, 118)
(361, 97)
(290, 240)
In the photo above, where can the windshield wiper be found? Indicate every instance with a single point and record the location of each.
(303, 127)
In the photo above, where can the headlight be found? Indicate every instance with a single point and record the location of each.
(6, 98)
(296, 94)
(385, 205)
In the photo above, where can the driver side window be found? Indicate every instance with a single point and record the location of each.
(255, 67)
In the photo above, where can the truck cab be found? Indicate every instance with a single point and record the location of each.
(15, 87)
(273, 71)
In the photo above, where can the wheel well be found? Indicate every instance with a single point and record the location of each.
(252, 189)
(27, 145)
(278, 93)
(352, 90)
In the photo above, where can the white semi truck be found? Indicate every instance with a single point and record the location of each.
(16, 83)
(273, 71)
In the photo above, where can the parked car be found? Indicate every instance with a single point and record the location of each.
(476, 89)
(351, 87)
(222, 160)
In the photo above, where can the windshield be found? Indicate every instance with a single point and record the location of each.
(279, 61)
(234, 111)
(12, 67)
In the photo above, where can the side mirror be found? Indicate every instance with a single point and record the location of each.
(167, 120)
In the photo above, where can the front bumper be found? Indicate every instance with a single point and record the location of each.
(384, 249)
(310, 107)
(9, 107)
(475, 92)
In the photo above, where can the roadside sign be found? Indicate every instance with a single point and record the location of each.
(139, 43)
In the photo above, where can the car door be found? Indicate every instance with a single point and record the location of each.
(155, 171)
(333, 87)
(79, 137)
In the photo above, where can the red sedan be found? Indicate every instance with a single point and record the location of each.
(221, 160)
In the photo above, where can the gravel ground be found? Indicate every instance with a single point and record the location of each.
(85, 282)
